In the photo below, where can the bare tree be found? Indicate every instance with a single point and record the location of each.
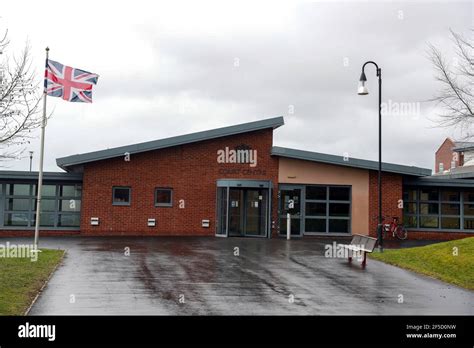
(20, 98)
(456, 79)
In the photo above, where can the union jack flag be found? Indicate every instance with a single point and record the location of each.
(71, 84)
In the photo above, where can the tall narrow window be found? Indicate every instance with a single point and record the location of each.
(121, 195)
(163, 197)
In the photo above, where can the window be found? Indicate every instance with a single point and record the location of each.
(16, 219)
(46, 205)
(69, 220)
(316, 209)
(20, 204)
(339, 194)
(316, 192)
(18, 189)
(71, 191)
(441, 209)
(468, 205)
(327, 209)
(46, 190)
(70, 205)
(163, 197)
(121, 195)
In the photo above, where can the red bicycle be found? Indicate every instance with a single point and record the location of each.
(397, 229)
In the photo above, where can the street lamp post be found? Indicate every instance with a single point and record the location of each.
(362, 90)
(31, 159)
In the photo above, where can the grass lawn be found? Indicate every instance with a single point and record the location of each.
(21, 279)
(436, 260)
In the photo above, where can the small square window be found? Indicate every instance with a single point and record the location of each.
(163, 197)
(121, 195)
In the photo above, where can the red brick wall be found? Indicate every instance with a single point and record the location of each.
(31, 233)
(392, 190)
(445, 155)
(191, 170)
(429, 235)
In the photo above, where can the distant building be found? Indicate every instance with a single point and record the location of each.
(455, 158)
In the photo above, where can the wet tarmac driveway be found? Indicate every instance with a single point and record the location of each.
(198, 275)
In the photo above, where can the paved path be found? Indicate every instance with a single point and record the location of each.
(160, 271)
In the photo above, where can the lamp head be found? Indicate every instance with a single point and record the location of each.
(362, 90)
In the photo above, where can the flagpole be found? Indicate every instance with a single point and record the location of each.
(40, 174)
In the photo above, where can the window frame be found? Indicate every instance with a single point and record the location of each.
(163, 205)
(122, 204)
(461, 202)
(6, 195)
(327, 218)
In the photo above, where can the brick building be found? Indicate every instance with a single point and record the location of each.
(231, 181)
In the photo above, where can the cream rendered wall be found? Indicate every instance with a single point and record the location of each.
(293, 171)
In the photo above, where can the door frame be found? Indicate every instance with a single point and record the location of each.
(245, 216)
(287, 187)
(244, 184)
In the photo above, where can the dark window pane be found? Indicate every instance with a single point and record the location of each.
(16, 219)
(19, 204)
(46, 190)
(450, 223)
(315, 225)
(18, 189)
(410, 221)
(429, 208)
(315, 209)
(69, 220)
(409, 208)
(450, 209)
(316, 192)
(71, 190)
(295, 226)
(409, 195)
(70, 205)
(163, 197)
(469, 209)
(339, 193)
(121, 195)
(339, 209)
(336, 226)
(451, 196)
(469, 224)
(46, 220)
(468, 195)
(428, 195)
(46, 205)
(429, 221)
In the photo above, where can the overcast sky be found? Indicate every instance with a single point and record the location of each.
(175, 67)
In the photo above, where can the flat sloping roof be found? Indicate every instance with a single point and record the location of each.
(66, 162)
(53, 176)
(460, 146)
(436, 182)
(350, 162)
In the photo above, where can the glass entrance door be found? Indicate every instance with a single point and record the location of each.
(222, 207)
(255, 212)
(236, 212)
(287, 195)
(242, 212)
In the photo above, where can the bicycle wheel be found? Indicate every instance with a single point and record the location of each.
(401, 232)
